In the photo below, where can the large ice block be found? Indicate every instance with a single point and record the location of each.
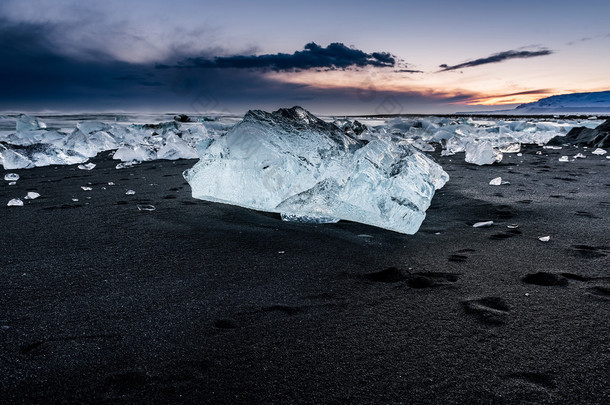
(293, 163)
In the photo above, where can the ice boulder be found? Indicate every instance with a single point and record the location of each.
(292, 163)
(482, 153)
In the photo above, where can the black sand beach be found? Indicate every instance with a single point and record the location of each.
(198, 302)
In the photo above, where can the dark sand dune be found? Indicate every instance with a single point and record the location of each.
(198, 302)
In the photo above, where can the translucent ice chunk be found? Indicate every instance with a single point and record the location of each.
(130, 192)
(14, 160)
(89, 127)
(11, 177)
(27, 123)
(129, 164)
(482, 153)
(140, 153)
(485, 224)
(15, 202)
(87, 166)
(496, 182)
(599, 151)
(176, 148)
(293, 163)
(544, 238)
(85, 188)
(32, 195)
(564, 159)
(146, 208)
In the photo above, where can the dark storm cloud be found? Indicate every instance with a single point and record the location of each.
(313, 56)
(34, 72)
(37, 74)
(498, 57)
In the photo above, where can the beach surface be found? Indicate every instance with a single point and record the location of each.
(199, 302)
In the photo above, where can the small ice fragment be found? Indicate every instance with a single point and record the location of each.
(146, 207)
(527, 294)
(130, 192)
(505, 183)
(512, 226)
(599, 151)
(485, 224)
(5, 327)
(129, 164)
(579, 156)
(75, 199)
(437, 233)
(544, 238)
(365, 235)
(32, 195)
(15, 202)
(86, 188)
(87, 166)
(496, 182)
(12, 183)
(552, 147)
(281, 252)
(110, 183)
(539, 152)
(308, 219)
(519, 154)
(11, 177)
(564, 159)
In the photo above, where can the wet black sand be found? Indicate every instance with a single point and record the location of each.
(198, 302)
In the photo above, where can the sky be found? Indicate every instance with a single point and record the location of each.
(330, 57)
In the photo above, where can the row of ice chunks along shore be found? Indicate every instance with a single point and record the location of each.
(33, 144)
(482, 141)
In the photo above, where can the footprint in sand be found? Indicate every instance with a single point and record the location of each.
(544, 381)
(413, 280)
(488, 310)
(545, 279)
(590, 252)
(457, 258)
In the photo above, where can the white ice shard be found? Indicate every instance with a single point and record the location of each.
(482, 153)
(484, 224)
(140, 153)
(87, 166)
(15, 202)
(32, 195)
(293, 163)
(11, 177)
(599, 151)
(496, 182)
(176, 148)
(564, 159)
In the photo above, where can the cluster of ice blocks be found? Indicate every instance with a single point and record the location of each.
(34, 144)
(481, 141)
